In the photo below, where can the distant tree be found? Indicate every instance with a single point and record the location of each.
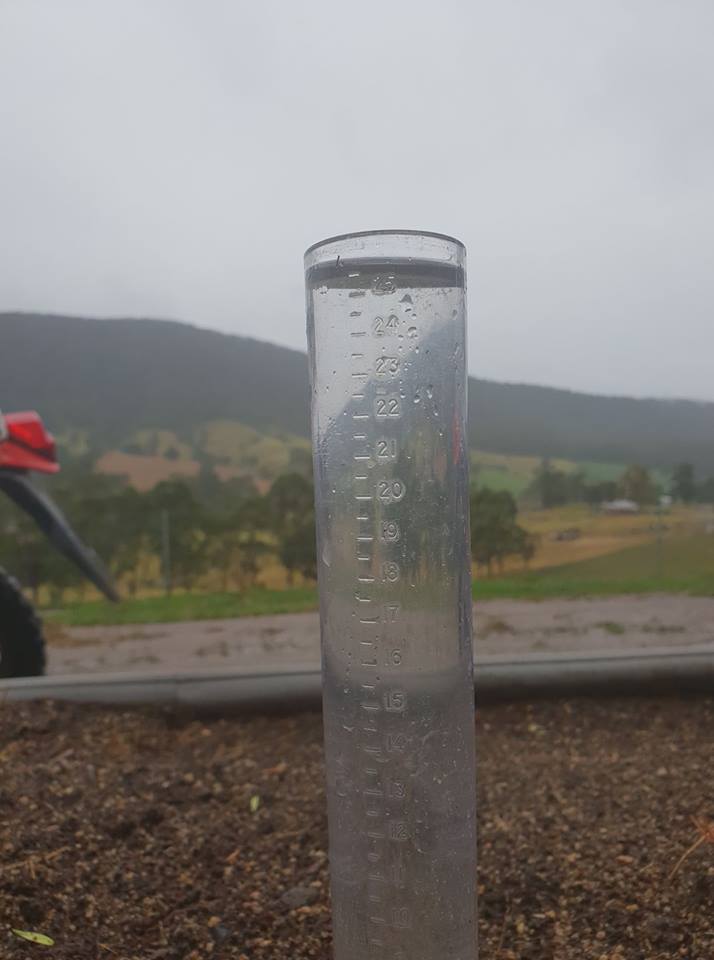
(596, 493)
(290, 509)
(523, 544)
(252, 548)
(547, 486)
(93, 504)
(298, 549)
(553, 488)
(224, 552)
(705, 491)
(288, 501)
(253, 515)
(252, 520)
(495, 534)
(300, 461)
(187, 529)
(25, 552)
(636, 484)
(683, 483)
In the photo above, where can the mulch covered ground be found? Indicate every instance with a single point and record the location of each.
(161, 837)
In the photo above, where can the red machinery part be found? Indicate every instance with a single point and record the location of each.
(26, 444)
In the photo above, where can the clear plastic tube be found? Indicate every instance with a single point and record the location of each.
(386, 329)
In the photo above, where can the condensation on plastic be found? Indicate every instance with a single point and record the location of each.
(386, 329)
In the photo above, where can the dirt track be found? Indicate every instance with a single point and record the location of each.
(502, 626)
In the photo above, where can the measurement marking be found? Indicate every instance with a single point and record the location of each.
(371, 771)
(363, 518)
(362, 476)
(359, 436)
(373, 813)
(369, 663)
(363, 496)
(373, 792)
(360, 416)
(358, 333)
(363, 599)
(377, 920)
(370, 619)
(375, 835)
(365, 559)
(364, 539)
(368, 686)
(360, 376)
(356, 356)
(367, 580)
(374, 897)
(358, 396)
(361, 456)
(367, 643)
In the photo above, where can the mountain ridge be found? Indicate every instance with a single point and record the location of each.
(114, 376)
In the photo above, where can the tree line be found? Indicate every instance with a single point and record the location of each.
(552, 487)
(182, 530)
(171, 535)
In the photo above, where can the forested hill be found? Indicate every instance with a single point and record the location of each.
(113, 377)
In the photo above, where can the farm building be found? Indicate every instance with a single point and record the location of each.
(621, 506)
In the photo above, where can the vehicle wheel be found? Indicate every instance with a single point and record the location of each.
(22, 646)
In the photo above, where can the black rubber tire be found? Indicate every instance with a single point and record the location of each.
(22, 646)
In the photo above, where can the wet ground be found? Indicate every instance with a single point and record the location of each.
(148, 835)
(501, 626)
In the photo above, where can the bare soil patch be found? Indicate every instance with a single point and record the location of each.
(148, 835)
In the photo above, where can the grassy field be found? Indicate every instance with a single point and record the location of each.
(153, 455)
(511, 472)
(678, 565)
(237, 450)
(598, 534)
(515, 473)
(186, 606)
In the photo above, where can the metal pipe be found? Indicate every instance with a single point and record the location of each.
(669, 671)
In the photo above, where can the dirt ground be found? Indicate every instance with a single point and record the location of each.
(152, 836)
(501, 626)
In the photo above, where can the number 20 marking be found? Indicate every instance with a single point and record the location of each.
(390, 491)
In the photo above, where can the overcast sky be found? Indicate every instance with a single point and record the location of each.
(173, 158)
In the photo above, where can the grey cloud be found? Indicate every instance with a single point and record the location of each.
(174, 159)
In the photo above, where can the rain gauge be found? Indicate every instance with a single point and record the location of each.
(386, 326)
